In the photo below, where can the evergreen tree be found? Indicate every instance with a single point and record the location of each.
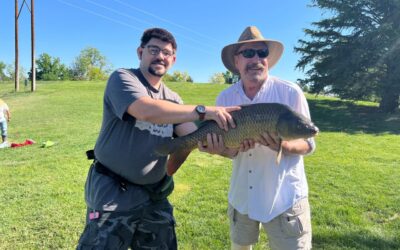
(354, 53)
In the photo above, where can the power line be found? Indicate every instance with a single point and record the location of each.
(167, 21)
(99, 15)
(124, 23)
(148, 23)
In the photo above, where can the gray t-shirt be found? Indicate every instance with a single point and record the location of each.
(125, 145)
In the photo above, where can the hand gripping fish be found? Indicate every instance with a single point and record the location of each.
(251, 121)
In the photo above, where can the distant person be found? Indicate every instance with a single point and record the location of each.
(127, 186)
(262, 192)
(5, 116)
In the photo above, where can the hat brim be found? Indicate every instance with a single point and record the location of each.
(228, 53)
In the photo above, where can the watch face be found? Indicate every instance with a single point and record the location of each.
(201, 109)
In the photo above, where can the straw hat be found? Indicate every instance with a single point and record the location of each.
(251, 35)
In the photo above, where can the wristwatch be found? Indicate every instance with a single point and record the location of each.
(201, 110)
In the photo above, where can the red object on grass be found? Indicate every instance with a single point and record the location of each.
(25, 143)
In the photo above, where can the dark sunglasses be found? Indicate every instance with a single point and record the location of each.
(250, 53)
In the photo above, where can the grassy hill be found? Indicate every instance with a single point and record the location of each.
(353, 176)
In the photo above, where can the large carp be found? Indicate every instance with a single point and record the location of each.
(251, 121)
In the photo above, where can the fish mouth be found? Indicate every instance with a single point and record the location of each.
(314, 130)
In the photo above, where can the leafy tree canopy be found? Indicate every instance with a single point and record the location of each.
(90, 63)
(218, 78)
(177, 76)
(50, 68)
(3, 76)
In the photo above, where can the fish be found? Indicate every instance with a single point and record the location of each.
(251, 121)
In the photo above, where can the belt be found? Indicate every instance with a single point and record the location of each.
(100, 168)
(157, 191)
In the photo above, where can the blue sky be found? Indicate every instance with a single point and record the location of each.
(202, 29)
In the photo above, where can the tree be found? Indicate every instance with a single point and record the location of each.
(50, 68)
(3, 76)
(168, 78)
(228, 77)
(10, 69)
(177, 76)
(189, 79)
(96, 74)
(90, 65)
(180, 76)
(354, 53)
(217, 78)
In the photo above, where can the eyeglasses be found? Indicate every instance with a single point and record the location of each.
(250, 53)
(155, 50)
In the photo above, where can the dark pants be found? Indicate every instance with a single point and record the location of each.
(152, 226)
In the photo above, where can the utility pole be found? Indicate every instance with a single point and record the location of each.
(33, 70)
(16, 48)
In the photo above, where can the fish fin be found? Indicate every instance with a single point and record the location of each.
(279, 156)
(175, 160)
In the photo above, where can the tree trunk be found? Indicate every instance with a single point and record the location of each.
(391, 87)
(390, 100)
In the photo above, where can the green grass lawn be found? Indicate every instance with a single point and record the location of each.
(354, 175)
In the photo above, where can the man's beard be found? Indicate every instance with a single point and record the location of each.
(154, 72)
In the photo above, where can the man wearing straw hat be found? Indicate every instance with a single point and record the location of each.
(262, 192)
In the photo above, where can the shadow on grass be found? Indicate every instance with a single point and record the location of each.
(349, 117)
(360, 240)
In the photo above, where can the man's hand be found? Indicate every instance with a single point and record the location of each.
(216, 145)
(296, 147)
(221, 116)
(246, 145)
(270, 140)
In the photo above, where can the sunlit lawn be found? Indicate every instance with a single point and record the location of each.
(354, 176)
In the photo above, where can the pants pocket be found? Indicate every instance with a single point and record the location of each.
(296, 221)
(89, 236)
(156, 229)
(231, 213)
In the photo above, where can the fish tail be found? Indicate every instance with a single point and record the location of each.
(167, 147)
(176, 160)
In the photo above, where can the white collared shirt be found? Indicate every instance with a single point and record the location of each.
(259, 187)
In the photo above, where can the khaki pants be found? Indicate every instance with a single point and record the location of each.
(290, 230)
